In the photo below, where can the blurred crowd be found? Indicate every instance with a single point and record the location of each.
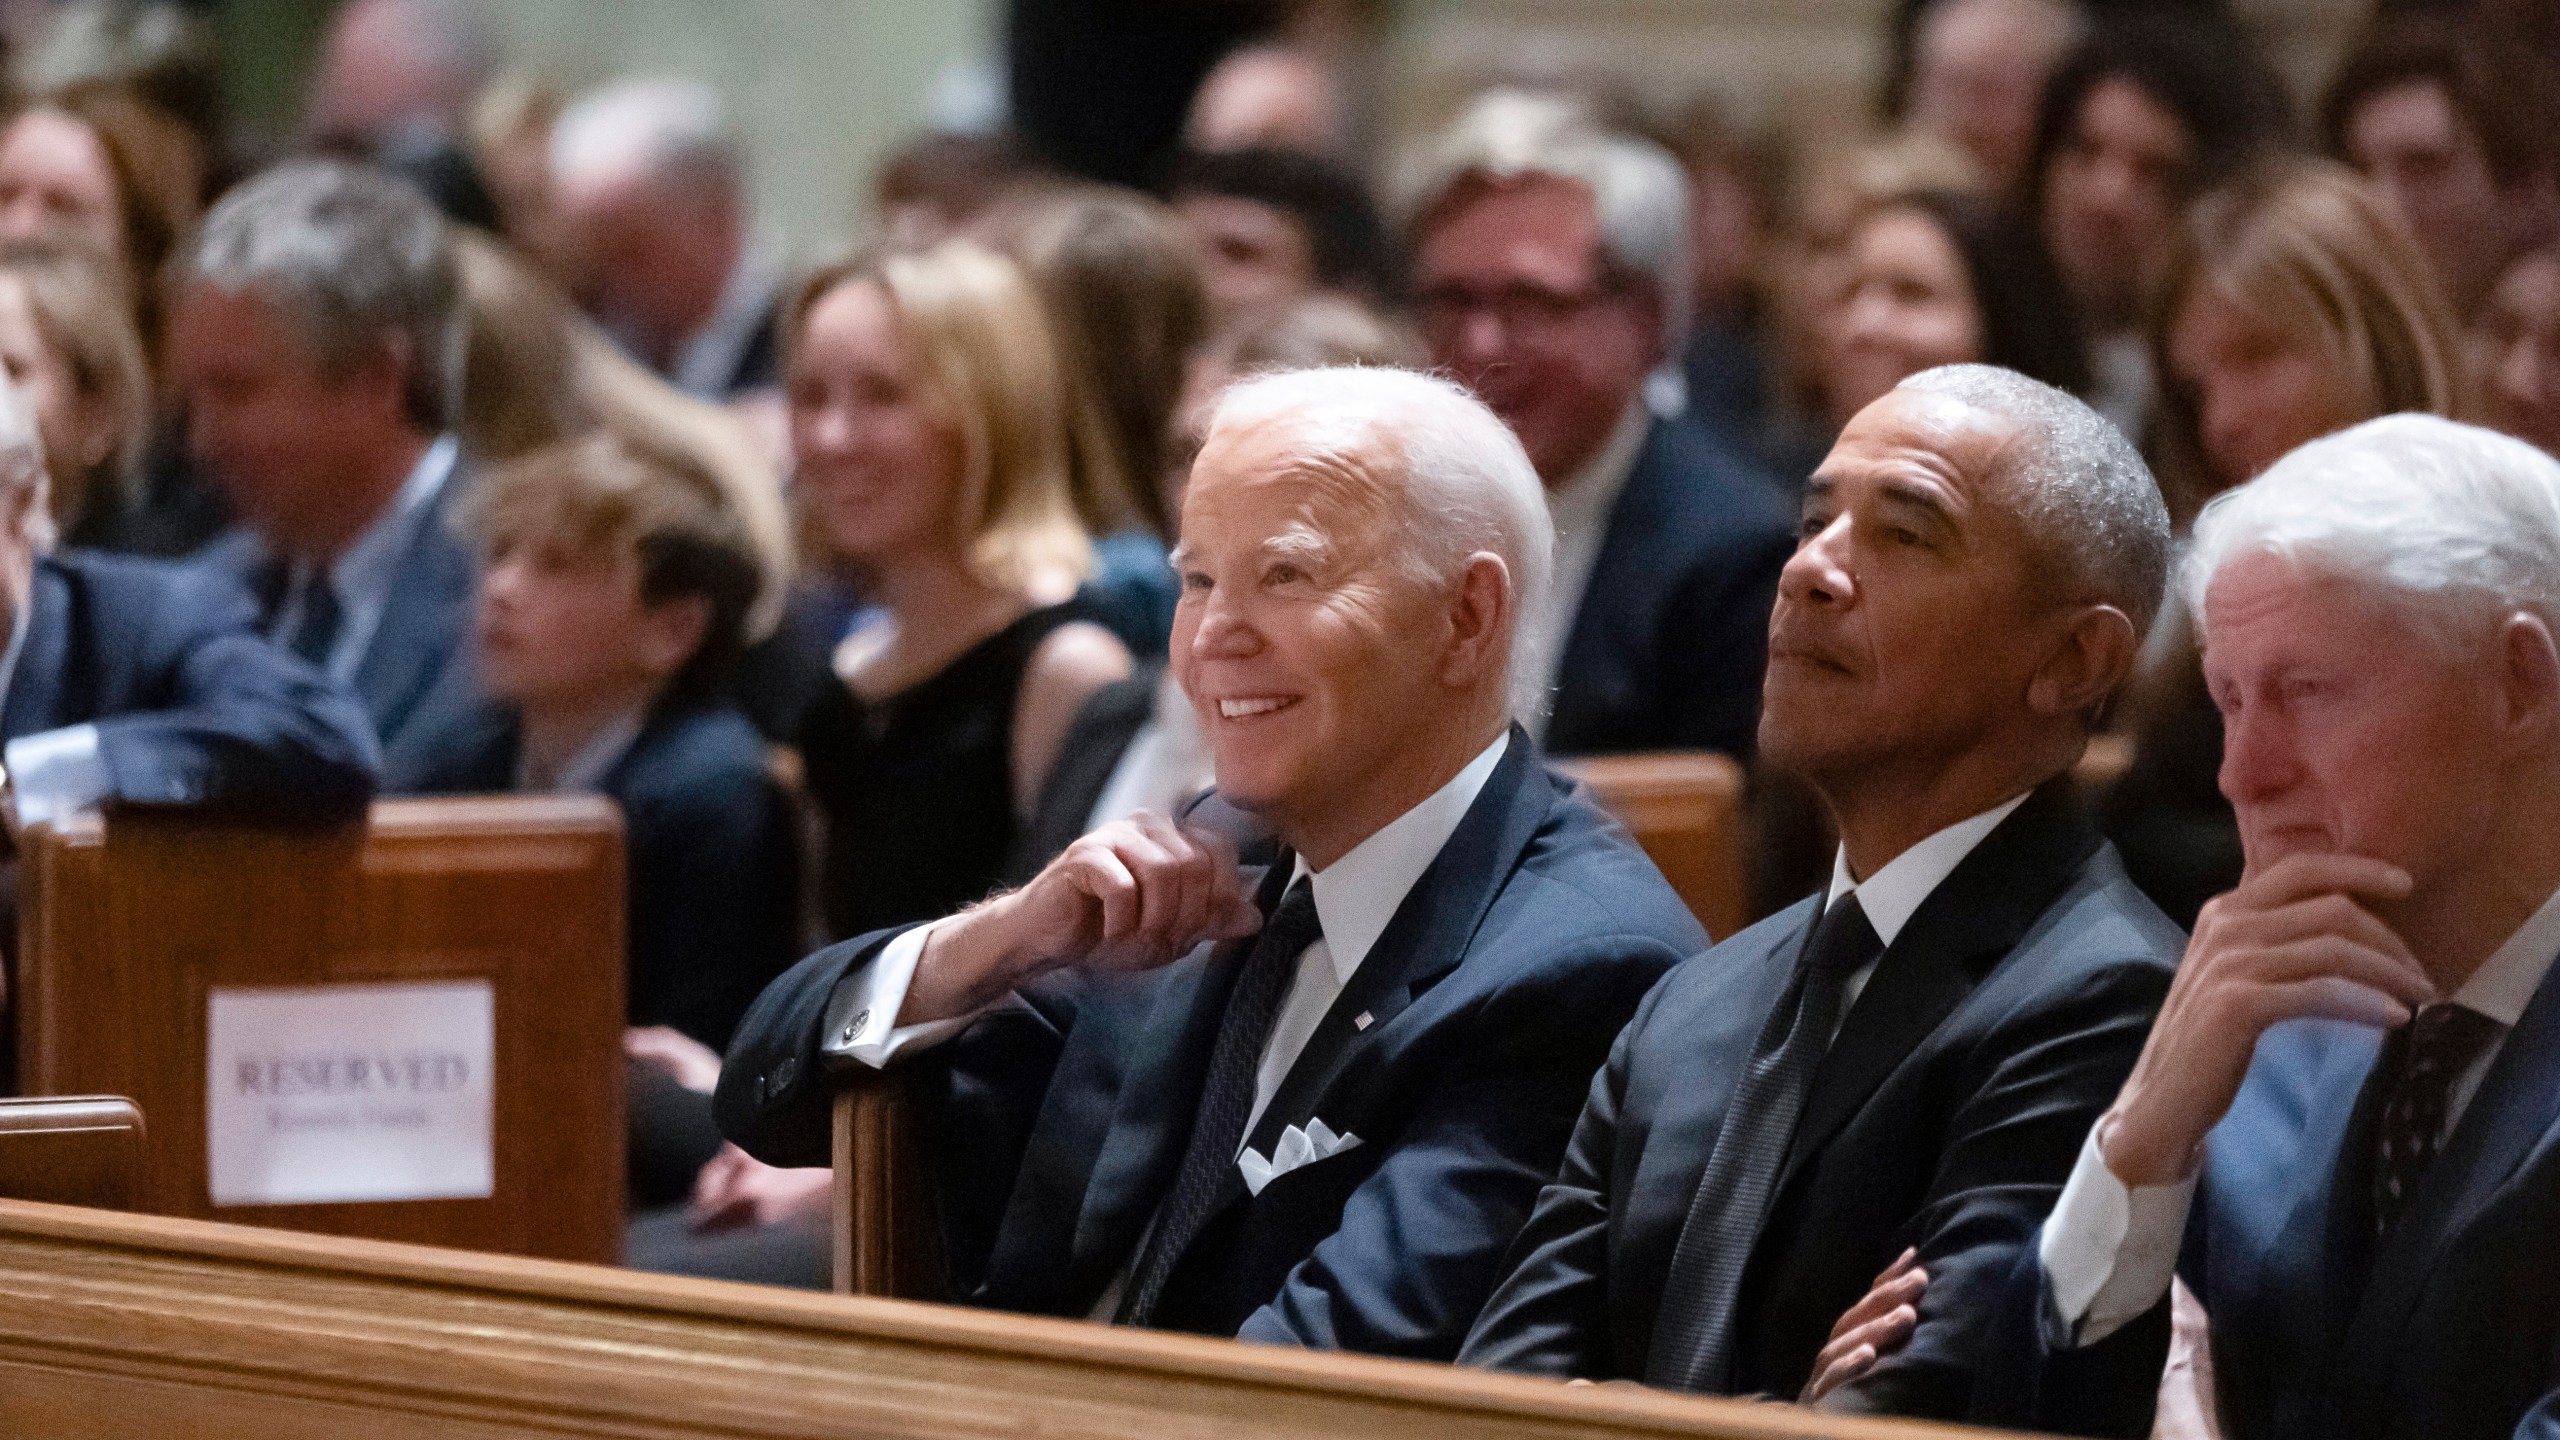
(850, 581)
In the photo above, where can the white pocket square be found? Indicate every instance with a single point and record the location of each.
(1297, 1147)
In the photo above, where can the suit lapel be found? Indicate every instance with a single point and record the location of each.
(1424, 941)
(2516, 1110)
(1619, 567)
(1975, 917)
(422, 620)
(1159, 1097)
(39, 689)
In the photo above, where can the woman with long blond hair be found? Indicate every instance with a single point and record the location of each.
(929, 434)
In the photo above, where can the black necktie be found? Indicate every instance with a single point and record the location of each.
(2441, 1044)
(315, 631)
(1226, 1097)
(1693, 1340)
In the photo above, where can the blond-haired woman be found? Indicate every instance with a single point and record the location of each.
(929, 439)
(2298, 308)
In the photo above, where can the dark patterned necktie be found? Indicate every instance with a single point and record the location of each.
(315, 630)
(1225, 1099)
(2442, 1043)
(1693, 1339)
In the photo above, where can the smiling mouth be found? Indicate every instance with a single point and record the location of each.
(1247, 707)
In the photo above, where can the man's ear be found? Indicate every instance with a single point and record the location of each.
(1480, 621)
(2086, 663)
(2529, 682)
(672, 632)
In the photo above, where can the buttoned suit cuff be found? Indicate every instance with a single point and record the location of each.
(2109, 1250)
(862, 1015)
(57, 773)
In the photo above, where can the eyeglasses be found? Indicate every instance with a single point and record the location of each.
(1525, 311)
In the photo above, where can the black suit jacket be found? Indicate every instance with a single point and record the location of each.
(2450, 1329)
(1667, 649)
(193, 709)
(1458, 1054)
(417, 679)
(712, 855)
(1946, 1116)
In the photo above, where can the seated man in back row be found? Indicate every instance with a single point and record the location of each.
(1907, 1061)
(1318, 1115)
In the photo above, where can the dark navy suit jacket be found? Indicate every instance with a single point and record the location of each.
(193, 708)
(417, 679)
(1458, 1054)
(2450, 1330)
(1945, 1117)
(712, 856)
(1667, 649)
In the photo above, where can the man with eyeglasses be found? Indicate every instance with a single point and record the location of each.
(1551, 277)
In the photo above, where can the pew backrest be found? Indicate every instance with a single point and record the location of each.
(72, 1150)
(1685, 808)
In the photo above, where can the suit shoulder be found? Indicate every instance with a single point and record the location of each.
(1694, 473)
(1585, 877)
(2103, 920)
(699, 759)
(131, 596)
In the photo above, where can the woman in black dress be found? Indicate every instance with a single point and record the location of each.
(929, 431)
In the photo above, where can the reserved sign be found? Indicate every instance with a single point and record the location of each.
(331, 1093)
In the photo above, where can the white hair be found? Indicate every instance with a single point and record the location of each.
(2458, 520)
(2091, 507)
(1637, 188)
(1468, 487)
(653, 126)
(22, 467)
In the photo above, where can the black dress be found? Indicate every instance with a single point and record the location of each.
(917, 787)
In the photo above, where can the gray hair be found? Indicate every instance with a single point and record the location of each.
(2423, 507)
(1637, 188)
(2089, 504)
(22, 466)
(655, 126)
(1467, 484)
(354, 260)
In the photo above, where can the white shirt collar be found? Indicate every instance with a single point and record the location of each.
(584, 772)
(2505, 982)
(1585, 500)
(1898, 889)
(1358, 894)
(365, 569)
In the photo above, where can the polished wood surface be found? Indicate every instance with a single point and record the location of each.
(1685, 808)
(127, 924)
(72, 1150)
(113, 1326)
(886, 1221)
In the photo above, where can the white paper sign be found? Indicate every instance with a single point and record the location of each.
(330, 1093)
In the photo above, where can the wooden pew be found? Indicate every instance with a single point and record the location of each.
(1685, 808)
(72, 1150)
(139, 934)
(113, 1326)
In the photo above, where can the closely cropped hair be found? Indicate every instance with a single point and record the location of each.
(985, 342)
(2462, 521)
(357, 261)
(80, 315)
(1468, 486)
(2100, 529)
(1640, 192)
(609, 497)
(2306, 249)
(1123, 297)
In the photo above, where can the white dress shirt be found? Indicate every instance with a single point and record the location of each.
(364, 572)
(1167, 762)
(1898, 888)
(2110, 1250)
(1355, 898)
(1580, 508)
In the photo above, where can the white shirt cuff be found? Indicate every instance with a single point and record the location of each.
(57, 773)
(862, 1016)
(2110, 1250)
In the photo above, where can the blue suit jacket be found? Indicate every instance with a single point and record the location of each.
(417, 679)
(1945, 1117)
(193, 709)
(2450, 1330)
(1458, 1054)
(712, 854)
(1667, 649)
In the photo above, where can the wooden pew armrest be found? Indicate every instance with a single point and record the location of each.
(886, 1229)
